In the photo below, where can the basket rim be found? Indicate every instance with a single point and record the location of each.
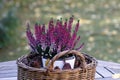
(26, 67)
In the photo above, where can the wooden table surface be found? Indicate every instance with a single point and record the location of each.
(105, 70)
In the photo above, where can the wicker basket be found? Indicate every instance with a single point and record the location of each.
(85, 71)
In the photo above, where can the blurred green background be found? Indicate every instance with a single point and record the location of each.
(100, 24)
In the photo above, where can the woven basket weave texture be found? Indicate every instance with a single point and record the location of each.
(85, 71)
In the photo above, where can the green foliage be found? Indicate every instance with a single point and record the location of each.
(7, 27)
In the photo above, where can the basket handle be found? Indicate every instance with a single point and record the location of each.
(83, 62)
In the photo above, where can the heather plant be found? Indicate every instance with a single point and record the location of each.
(49, 41)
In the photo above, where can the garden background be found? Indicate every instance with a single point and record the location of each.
(99, 19)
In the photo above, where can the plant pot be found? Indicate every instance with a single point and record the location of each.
(60, 62)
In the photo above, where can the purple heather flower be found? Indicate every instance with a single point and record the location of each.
(77, 27)
(43, 29)
(30, 36)
(38, 32)
(76, 41)
(57, 23)
(74, 36)
(58, 37)
(65, 24)
(70, 23)
(43, 34)
(51, 23)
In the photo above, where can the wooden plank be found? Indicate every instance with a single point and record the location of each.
(8, 62)
(10, 78)
(107, 79)
(103, 72)
(97, 75)
(116, 73)
(8, 71)
(8, 75)
(15, 78)
(10, 65)
(110, 70)
(109, 64)
(115, 70)
(2, 68)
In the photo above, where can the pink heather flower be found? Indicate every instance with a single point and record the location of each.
(58, 37)
(51, 23)
(74, 36)
(65, 24)
(57, 23)
(70, 23)
(77, 27)
(76, 41)
(38, 32)
(43, 29)
(30, 36)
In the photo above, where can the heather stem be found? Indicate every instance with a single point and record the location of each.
(80, 47)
